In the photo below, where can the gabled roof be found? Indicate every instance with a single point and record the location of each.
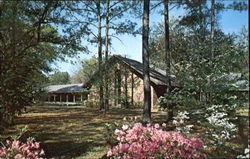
(67, 88)
(157, 78)
(233, 81)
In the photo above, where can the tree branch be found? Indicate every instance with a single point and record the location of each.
(114, 5)
(117, 38)
(156, 6)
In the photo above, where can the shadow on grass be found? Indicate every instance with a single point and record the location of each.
(66, 149)
(71, 133)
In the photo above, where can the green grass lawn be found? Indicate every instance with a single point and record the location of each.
(72, 132)
(243, 112)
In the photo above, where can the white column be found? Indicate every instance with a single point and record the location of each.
(152, 97)
(74, 98)
(54, 98)
(60, 98)
(67, 98)
(81, 97)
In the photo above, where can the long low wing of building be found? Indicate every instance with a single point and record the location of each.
(66, 93)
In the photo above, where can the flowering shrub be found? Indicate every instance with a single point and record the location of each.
(221, 128)
(18, 150)
(246, 152)
(142, 142)
(179, 122)
(111, 127)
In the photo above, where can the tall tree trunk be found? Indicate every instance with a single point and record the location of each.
(98, 7)
(145, 60)
(212, 26)
(167, 56)
(106, 100)
(212, 47)
(132, 89)
(202, 22)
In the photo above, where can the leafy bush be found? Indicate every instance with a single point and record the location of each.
(137, 141)
(213, 114)
(183, 97)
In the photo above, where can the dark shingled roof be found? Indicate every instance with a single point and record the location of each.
(67, 88)
(156, 77)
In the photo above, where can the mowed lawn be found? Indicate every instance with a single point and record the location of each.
(72, 132)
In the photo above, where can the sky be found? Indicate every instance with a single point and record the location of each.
(230, 21)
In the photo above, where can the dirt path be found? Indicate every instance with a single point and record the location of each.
(70, 132)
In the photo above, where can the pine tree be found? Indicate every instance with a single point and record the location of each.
(145, 60)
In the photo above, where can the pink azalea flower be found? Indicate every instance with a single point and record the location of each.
(18, 156)
(109, 153)
(42, 153)
(157, 126)
(36, 145)
(18, 150)
(181, 121)
(123, 148)
(125, 127)
(2, 152)
(15, 144)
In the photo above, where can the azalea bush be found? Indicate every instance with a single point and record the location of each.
(137, 141)
(14, 148)
(17, 150)
(112, 126)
